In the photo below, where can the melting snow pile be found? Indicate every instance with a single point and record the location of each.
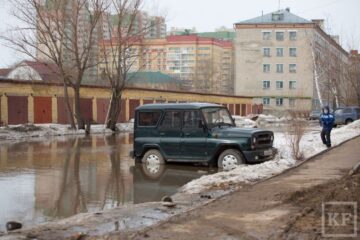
(16, 132)
(310, 145)
(244, 122)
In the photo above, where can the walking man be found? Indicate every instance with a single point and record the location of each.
(327, 120)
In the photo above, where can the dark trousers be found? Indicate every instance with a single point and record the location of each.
(325, 137)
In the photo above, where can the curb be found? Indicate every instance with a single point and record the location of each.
(308, 159)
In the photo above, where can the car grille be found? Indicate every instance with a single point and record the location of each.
(263, 139)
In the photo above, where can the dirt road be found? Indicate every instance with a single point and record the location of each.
(259, 211)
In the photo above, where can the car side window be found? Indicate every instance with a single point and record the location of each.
(347, 110)
(172, 119)
(148, 119)
(191, 119)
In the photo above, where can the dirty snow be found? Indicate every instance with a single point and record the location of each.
(18, 132)
(310, 145)
(244, 122)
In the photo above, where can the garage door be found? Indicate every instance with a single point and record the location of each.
(86, 109)
(61, 110)
(133, 103)
(42, 110)
(18, 109)
(102, 109)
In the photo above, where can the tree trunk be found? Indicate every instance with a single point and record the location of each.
(114, 110)
(78, 115)
(68, 107)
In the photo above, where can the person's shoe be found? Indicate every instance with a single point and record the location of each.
(328, 145)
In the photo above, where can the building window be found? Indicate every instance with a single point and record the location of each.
(280, 36)
(279, 68)
(266, 52)
(266, 68)
(279, 101)
(266, 35)
(292, 36)
(292, 52)
(292, 68)
(266, 101)
(292, 85)
(277, 16)
(279, 84)
(292, 102)
(266, 84)
(279, 52)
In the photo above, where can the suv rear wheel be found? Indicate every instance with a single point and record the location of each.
(229, 159)
(349, 120)
(153, 157)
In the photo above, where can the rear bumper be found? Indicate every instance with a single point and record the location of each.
(260, 155)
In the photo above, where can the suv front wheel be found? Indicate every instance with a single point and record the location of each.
(153, 157)
(230, 159)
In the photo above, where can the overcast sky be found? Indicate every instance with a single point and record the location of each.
(205, 15)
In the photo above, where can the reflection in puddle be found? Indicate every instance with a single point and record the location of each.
(41, 181)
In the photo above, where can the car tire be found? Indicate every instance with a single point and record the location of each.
(229, 159)
(153, 156)
(153, 171)
(349, 120)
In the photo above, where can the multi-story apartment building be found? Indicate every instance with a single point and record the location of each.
(69, 12)
(151, 27)
(279, 61)
(202, 64)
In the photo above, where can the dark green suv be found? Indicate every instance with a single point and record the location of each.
(197, 132)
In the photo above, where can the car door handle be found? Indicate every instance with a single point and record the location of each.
(162, 134)
(186, 134)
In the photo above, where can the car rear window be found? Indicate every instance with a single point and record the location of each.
(148, 119)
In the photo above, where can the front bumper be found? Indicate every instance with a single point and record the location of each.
(260, 155)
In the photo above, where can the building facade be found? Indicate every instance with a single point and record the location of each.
(201, 64)
(278, 61)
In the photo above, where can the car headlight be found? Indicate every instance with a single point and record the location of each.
(272, 138)
(254, 140)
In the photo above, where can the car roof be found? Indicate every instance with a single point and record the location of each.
(177, 106)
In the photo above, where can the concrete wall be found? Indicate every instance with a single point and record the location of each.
(95, 98)
(249, 78)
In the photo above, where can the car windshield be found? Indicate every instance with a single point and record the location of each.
(217, 117)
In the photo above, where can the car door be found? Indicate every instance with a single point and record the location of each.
(170, 134)
(194, 136)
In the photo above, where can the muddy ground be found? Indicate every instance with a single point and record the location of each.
(307, 223)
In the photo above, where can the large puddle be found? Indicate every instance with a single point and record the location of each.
(58, 178)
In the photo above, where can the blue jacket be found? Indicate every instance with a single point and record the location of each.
(327, 121)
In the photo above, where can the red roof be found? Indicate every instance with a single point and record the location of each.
(49, 72)
(4, 71)
(193, 38)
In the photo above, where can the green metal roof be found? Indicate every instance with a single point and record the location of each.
(151, 77)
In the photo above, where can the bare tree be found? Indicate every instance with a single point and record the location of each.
(206, 73)
(62, 32)
(353, 80)
(123, 53)
(295, 132)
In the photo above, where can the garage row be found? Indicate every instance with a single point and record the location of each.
(24, 101)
